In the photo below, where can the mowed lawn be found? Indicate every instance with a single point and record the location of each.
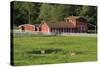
(26, 49)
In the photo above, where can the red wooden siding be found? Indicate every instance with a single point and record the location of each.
(71, 22)
(44, 27)
(80, 23)
(27, 27)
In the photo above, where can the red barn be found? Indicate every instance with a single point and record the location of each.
(27, 27)
(53, 26)
(79, 23)
(75, 24)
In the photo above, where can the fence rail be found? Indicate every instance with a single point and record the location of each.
(19, 33)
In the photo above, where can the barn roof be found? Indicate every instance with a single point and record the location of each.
(26, 25)
(60, 24)
(75, 17)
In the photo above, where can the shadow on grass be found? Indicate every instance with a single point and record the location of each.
(53, 51)
(45, 51)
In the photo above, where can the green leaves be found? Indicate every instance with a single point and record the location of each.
(51, 12)
(26, 10)
(29, 12)
(45, 12)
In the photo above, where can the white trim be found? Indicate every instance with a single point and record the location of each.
(48, 30)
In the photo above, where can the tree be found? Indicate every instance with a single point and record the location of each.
(45, 12)
(53, 12)
(89, 12)
(25, 12)
(25, 9)
(59, 12)
(29, 12)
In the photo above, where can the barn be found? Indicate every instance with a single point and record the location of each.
(71, 24)
(53, 26)
(27, 27)
(79, 23)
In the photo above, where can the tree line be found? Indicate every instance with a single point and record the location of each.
(32, 12)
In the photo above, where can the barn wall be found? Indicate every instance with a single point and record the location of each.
(82, 26)
(71, 22)
(44, 28)
(28, 27)
(79, 25)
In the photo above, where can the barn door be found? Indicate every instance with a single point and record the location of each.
(22, 28)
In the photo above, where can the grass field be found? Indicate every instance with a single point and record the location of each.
(27, 50)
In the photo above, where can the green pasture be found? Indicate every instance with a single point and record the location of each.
(27, 50)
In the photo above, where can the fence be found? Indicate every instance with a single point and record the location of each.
(18, 33)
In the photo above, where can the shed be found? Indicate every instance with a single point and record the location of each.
(27, 27)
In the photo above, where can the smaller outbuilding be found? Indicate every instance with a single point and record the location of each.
(27, 27)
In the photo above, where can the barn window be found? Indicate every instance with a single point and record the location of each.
(65, 29)
(70, 20)
(68, 30)
(82, 28)
(35, 28)
(67, 20)
(22, 28)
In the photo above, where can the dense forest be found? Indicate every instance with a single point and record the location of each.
(34, 13)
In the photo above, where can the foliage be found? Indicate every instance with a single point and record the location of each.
(25, 12)
(90, 13)
(31, 12)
